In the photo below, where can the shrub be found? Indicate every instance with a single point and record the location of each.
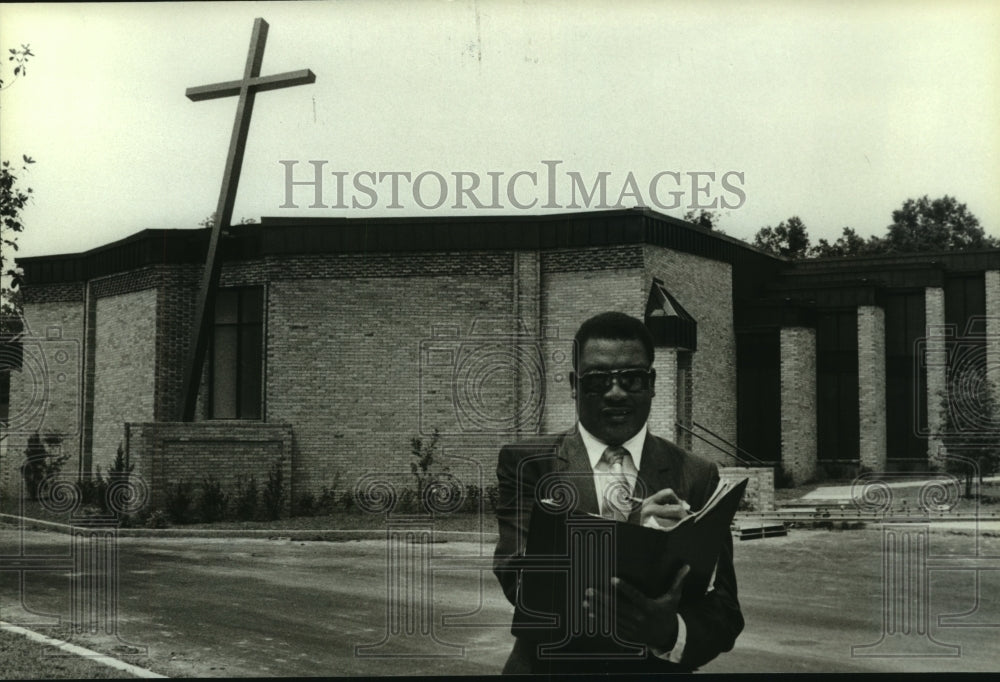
(94, 491)
(492, 496)
(424, 453)
(180, 496)
(347, 500)
(157, 519)
(119, 473)
(328, 499)
(213, 501)
(305, 505)
(245, 502)
(970, 414)
(327, 502)
(782, 478)
(122, 467)
(473, 498)
(407, 502)
(273, 495)
(39, 464)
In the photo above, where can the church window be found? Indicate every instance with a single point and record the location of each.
(237, 354)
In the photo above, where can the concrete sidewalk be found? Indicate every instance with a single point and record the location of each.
(894, 498)
(903, 481)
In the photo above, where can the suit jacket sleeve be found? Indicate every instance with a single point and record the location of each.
(514, 502)
(713, 616)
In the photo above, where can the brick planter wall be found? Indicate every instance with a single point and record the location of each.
(759, 495)
(169, 452)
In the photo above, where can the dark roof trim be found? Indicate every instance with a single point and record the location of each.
(979, 259)
(287, 236)
(505, 233)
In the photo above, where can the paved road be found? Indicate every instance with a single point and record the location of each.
(281, 608)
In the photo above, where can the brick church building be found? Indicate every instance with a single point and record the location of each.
(337, 341)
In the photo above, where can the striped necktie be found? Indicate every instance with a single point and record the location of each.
(618, 488)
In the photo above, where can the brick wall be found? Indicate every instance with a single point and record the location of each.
(64, 292)
(125, 368)
(45, 396)
(871, 387)
(798, 403)
(759, 495)
(568, 299)
(349, 363)
(166, 453)
(936, 362)
(176, 295)
(704, 287)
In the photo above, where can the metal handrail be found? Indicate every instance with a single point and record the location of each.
(725, 452)
(735, 447)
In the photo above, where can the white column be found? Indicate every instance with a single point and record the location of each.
(936, 365)
(993, 332)
(871, 388)
(798, 403)
(663, 416)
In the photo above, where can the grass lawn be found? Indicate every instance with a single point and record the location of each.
(348, 520)
(471, 522)
(24, 659)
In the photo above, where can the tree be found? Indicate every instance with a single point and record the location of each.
(849, 243)
(971, 422)
(707, 219)
(13, 198)
(209, 221)
(919, 225)
(935, 225)
(789, 239)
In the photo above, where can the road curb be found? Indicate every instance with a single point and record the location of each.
(103, 659)
(299, 534)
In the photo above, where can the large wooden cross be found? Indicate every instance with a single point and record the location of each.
(246, 88)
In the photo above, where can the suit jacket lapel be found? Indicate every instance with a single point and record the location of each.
(655, 469)
(575, 466)
(654, 472)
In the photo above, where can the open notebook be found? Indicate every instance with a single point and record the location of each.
(567, 552)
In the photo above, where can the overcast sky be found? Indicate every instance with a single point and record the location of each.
(835, 112)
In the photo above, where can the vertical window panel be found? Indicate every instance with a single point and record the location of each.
(237, 354)
(250, 370)
(224, 372)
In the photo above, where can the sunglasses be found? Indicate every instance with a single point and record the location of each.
(630, 380)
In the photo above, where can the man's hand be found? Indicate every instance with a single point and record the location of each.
(638, 618)
(663, 509)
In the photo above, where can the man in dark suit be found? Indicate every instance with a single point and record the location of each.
(610, 448)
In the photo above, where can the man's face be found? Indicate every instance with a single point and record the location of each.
(614, 415)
